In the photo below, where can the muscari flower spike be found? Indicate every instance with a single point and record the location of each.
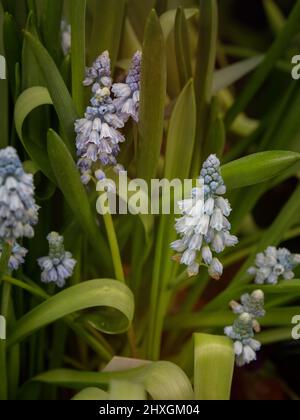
(242, 333)
(273, 264)
(128, 94)
(204, 227)
(18, 210)
(17, 257)
(98, 133)
(252, 303)
(246, 325)
(59, 264)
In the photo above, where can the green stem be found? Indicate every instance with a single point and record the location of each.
(18, 283)
(114, 247)
(4, 259)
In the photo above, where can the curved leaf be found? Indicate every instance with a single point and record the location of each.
(29, 100)
(104, 293)
(91, 394)
(59, 93)
(162, 380)
(214, 364)
(126, 390)
(256, 168)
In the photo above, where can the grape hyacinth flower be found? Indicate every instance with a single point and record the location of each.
(252, 304)
(17, 256)
(128, 94)
(274, 264)
(65, 29)
(98, 133)
(18, 210)
(59, 264)
(204, 228)
(245, 346)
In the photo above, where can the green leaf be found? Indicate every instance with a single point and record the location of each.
(91, 394)
(205, 67)
(215, 142)
(12, 47)
(126, 390)
(51, 22)
(138, 13)
(28, 101)
(60, 96)
(162, 380)
(153, 95)
(105, 18)
(78, 15)
(257, 168)
(68, 180)
(181, 135)
(31, 73)
(103, 293)
(275, 52)
(180, 141)
(3, 93)
(275, 16)
(227, 76)
(182, 47)
(274, 317)
(213, 367)
(167, 19)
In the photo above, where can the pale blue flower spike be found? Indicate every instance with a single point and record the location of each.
(98, 133)
(18, 210)
(244, 327)
(204, 228)
(59, 264)
(274, 264)
(17, 257)
(245, 346)
(128, 94)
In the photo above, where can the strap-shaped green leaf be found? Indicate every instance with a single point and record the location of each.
(29, 100)
(106, 294)
(105, 22)
(213, 369)
(3, 93)
(78, 30)
(162, 380)
(257, 168)
(153, 95)
(181, 135)
(59, 93)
